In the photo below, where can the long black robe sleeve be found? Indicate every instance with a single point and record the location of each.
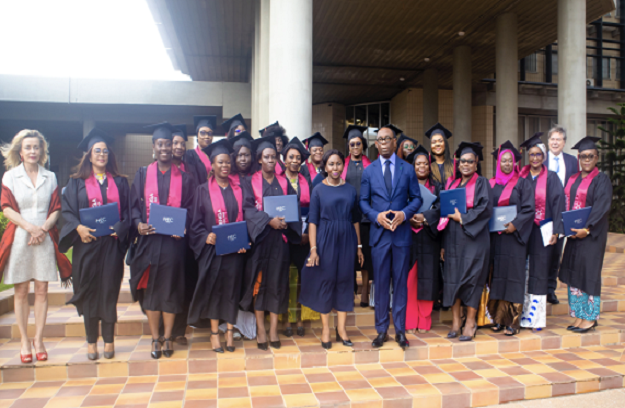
(557, 202)
(477, 218)
(525, 211)
(433, 215)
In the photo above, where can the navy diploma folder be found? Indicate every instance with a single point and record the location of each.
(168, 220)
(501, 216)
(575, 219)
(100, 219)
(282, 206)
(451, 199)
(231, 237)
(427, 197)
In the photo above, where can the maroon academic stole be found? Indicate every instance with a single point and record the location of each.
(582, 190)
(94, 194)
(540, 196)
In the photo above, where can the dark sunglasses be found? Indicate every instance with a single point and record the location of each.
(588, 157)
(355, 144)
(466, 161)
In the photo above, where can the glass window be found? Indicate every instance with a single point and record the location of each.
(361, 115)
(554, 63)
(617, 73)
(531, 64)
(349, 116)
(605, 68)
(374, 116)
(386, 113)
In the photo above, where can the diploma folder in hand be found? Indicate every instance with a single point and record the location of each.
(428, 199)
(168, 220)
(452, 199)
(100, 219)
(501, 216)
(231, 237)
(575, 219)
(282, 206)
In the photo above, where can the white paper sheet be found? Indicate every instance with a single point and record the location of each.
(547, 232)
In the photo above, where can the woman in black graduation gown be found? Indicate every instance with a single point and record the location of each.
(196, 159)
(424, 277)
(405, 146)
(584, 251)
(218, 293)
(508, 249)
(443, 167)
(234, 126)
(98, 263)
(355, 164)
(295, 154)
(548, 204)
(466, 243)
(157, 262)
(327, 279)
(241, 156)
(266, 281)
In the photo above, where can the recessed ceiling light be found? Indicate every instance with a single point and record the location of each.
(461, 33)
(426, 59)
(402, 79)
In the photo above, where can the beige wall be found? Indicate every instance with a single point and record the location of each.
(482, 130)
(329, 120)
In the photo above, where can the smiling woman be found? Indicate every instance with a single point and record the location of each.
(117, 39)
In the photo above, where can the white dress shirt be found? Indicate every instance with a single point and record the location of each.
(556, 164)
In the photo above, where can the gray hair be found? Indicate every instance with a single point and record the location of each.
(557, 129)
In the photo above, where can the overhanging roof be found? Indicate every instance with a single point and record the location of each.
(361, 48)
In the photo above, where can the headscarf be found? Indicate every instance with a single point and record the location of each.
(502, 178)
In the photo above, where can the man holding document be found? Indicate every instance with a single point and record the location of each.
(549, 204)
(390, 195)
(584, 251)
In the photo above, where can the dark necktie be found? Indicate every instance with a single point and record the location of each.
(388, 177)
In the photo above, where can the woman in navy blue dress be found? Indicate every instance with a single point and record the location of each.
(334, 232)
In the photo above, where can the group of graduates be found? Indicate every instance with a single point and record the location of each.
(356, 215)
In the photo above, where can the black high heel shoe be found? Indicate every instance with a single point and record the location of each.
(230, 348)
(497, 328)
(453, 334)
(218, 349)
(587, 329)
(513, 332)
(347, 343)
(288, 332)
(156, 354)
(301, 331)
(468, 338)
(168, 351)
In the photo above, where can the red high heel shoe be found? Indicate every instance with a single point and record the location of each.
(26, 358)
(40, 356)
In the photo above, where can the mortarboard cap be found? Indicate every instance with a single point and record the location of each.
(275, 124)
(205, 121)
(468, 147)
(315, 140)
(262, 143)
(242, 139)
(532, 141)
(403, 138)
(181, 130)
(438, 129)
(419, 151)
(295, 143)
(507, 145)
(587, 143)
(395, 129)
(233, 122)
(162, 130)
(353, 131)
(95, 136)
(215, 149)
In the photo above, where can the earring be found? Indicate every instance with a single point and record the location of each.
(153, 156)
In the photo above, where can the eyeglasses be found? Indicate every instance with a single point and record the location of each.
(536, 155)
(466, 161)
(409, 146)
(237, 131)
(206, 133)
(98, 151)
(383, 140)
(355, 144)
(587, 157)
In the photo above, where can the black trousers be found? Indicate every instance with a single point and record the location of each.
(92, 329)
(555, 267)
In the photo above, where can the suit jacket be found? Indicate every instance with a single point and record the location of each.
(374, 199)
(571, 164)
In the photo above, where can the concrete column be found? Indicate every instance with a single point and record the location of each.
(430, 100)
(87, 126)
(572, 69)
(507, 95)
(462, 95)
(260, 85)
(290, 65)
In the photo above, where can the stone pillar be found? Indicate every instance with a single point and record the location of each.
(462, 95)
(507, 95)
(260, 65)
(430, 100)
(572, 69)
(290, 65)
(87, 126)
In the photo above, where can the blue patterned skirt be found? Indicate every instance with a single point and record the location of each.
(583, 305)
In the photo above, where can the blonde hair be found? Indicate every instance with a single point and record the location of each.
(11, 151)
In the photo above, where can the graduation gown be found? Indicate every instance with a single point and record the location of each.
(426, 252)
(164, 255)
(354, 177)
(218, 291)
(508, 252)
(298, 252)
(583, 258)
(540, 255)
(269, 253)
(98, 266)
(194, 165)
(467, 249)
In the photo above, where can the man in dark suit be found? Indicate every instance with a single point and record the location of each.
(564, 165)
(389, 196)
